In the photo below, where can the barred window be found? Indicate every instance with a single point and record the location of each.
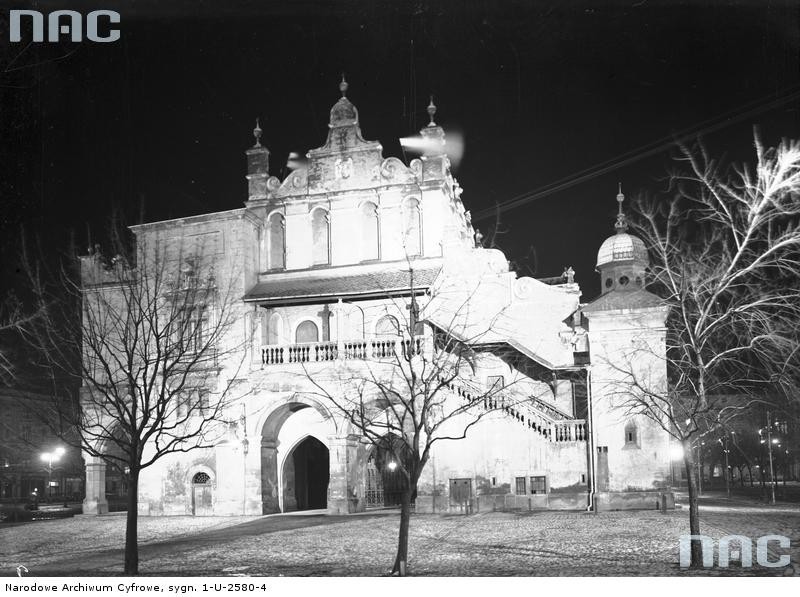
(538, 485)
(520, 486)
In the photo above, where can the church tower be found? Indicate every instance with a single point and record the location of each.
(626, 331)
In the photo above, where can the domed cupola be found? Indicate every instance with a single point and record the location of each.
(622, 259)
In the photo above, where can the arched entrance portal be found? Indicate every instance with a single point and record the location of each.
(306, 473)
(295, 461)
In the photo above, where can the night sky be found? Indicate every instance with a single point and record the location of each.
(157, 123)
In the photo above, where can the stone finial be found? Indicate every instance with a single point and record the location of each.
(431, 112)
(569, 275)
(343, 86)
(622, 223)
(257, 133)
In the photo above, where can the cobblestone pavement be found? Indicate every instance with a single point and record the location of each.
(487, 544)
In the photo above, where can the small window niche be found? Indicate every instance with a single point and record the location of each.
(631, 435)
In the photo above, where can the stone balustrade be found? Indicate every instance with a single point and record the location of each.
(573, 430)
(534, 413)
(316, 352)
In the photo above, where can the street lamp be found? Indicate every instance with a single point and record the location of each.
(676, 455)
(770, 441)
(50, 458)
(725, 450)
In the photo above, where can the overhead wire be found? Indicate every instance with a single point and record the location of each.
(710, 125)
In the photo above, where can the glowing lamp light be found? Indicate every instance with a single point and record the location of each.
(392, 465)
(53, 456)
(774, 441)
(676, 452)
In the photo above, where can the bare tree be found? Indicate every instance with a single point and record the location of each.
(144, 335)
(421, 384)
(725, 254)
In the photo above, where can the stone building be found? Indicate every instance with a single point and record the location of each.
(24, 438)
(327, 265)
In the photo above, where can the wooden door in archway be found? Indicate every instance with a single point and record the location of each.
(202, 495)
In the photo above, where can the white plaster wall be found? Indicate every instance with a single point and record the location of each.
(625, 344)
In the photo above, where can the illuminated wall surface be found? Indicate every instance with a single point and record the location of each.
(324, 264)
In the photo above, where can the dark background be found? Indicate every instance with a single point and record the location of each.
(156, 124)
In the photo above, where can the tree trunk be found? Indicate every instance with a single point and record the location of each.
(694, 509)
(401, 560)
(131, 527)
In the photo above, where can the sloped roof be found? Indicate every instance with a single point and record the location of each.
(285, 289)
(618, 300)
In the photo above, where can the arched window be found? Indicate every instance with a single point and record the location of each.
(320, 239)
(306, 332)
(631, 434)
(412, 240)
(276, 242)
(201, 479)
(369, 232)
(387, 326)
(274, 329)
(354, 323)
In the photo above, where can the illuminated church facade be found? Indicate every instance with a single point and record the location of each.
(328, 264)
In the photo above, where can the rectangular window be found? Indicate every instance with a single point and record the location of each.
(538, 485)
(495, 382)
(192, 328)
(520, 485)
(183, 408)
(202, 402)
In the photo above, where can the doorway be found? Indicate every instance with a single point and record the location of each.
(202, 495)
(306, 474)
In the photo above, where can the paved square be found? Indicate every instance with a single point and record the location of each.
(488, 544)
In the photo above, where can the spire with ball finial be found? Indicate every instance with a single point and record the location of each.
(257, 133)
(257, 166)
(343, 86)
(622, 223)
(431, 112)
